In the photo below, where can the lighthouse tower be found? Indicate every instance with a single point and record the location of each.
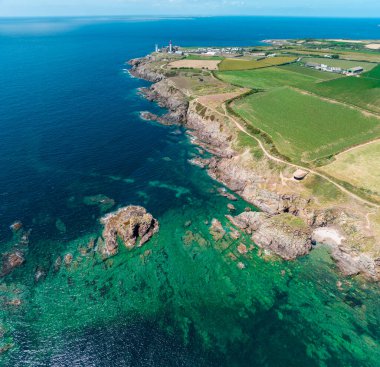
(156, 48)
(171, 47)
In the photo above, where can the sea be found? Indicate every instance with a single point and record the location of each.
(73, 147)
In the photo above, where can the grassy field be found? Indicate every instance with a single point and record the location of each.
(363, 91)
(358, 167)
(266, 78)
(374, 73)
(201, 57)
(340, 63)
(303, 127)
(319, 75)
(238, 64)
(362, 55)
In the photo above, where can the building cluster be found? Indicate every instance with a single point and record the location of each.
(333, 69)
(217, 51)
(169, 49)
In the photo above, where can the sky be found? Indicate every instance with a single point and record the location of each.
(329, 8)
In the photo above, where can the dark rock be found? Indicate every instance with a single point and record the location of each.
(68, 259)
(16, 226)
(10, 261)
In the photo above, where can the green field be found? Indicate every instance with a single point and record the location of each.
(363, 91)
(303, 127)
(374, 73)
(358, 167)
(266, 78)
(200, 57)
(340, 63)
(239, 64)
(319, 75)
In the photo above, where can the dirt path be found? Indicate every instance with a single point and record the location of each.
(279, 160)
(358, 146)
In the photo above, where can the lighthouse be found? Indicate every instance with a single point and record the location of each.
(157, 48)
(171, 47)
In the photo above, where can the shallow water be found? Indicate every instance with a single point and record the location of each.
(71, 136)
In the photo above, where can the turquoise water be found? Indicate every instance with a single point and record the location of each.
(71, 135)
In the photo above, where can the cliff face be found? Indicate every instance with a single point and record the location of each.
(166, 95)
(142, 68)
(253, 182)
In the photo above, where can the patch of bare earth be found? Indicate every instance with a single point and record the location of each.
(216, 100)
(195, 64)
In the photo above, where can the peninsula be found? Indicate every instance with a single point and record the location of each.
(293, 127)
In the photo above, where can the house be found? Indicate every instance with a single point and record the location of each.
(355, 71)
(313, 65)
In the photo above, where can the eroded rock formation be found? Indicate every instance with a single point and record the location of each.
(284, 234)
(132, 225)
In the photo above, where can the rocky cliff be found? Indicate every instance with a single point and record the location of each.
(254, 181)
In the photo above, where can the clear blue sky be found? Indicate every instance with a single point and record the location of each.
(343, 8)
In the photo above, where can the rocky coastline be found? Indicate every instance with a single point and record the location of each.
(289, 223)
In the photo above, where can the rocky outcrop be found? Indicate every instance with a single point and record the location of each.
(16, 226)
(349, 261)
(132, 225)
(10, 261)
(248, 222)
(142, 68)
(254, 181)
(216, 230)
(285, 235)
(167, 96)
(208, 130)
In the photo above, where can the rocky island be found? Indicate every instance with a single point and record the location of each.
(300, 204)
(131, 225)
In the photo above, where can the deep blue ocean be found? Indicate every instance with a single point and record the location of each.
(70, 129)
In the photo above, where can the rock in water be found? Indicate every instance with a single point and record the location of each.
(16, 226)
(40, 274)
(216, 230)
(132, 224)
(10, 261)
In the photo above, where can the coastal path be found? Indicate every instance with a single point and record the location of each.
(279, 160)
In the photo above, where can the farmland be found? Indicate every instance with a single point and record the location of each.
(203, 57)
(195, 64)
(300, 69)
(292, 75)
(341, 63)
(358, 168)
(304, 127)
(239, 64)
(363, 91)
